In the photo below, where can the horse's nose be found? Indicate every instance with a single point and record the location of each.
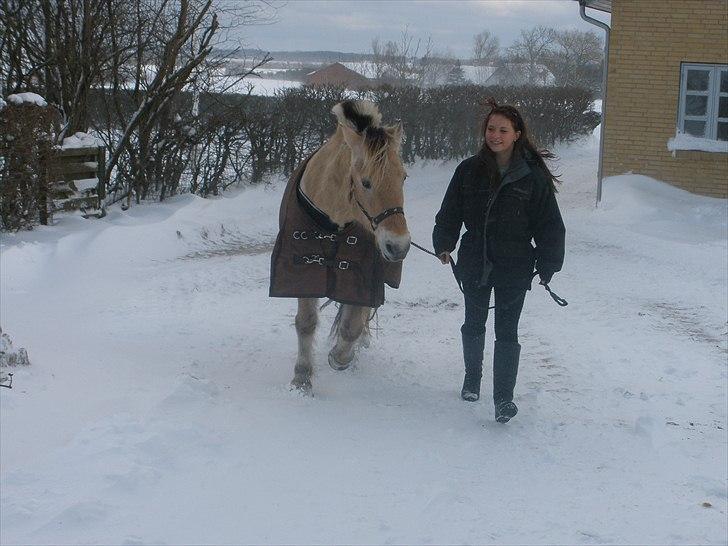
(396, 252)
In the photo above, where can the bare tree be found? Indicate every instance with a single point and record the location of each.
(486, 48)
(576, 59)
(379, 64)
(436, 67)
(171, 64)
(533, 48)
(486, 53)
(142, 61)
(58, 49)
(399, 63)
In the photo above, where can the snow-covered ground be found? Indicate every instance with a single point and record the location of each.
(262, 86)
(156, 408)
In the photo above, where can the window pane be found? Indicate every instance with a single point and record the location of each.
(723, 107)
(695, 128)
(696, 105)
(698, 80)
(722, 131)
(724, 81)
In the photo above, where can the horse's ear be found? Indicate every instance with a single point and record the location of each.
(396, 132)
(355, 142)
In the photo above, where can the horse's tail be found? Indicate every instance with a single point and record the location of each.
(336, 326)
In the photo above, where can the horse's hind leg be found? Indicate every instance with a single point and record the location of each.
(306, 320)
(349, 326)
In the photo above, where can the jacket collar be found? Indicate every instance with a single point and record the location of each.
(519, 167)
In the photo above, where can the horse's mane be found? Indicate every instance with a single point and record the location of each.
(364, 118)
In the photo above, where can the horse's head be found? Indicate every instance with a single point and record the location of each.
(376, 175)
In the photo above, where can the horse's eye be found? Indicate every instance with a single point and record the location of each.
(366, 183)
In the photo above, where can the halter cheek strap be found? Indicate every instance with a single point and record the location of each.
(379, 218)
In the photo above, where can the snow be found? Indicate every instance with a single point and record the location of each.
(86, 184)
(81, 140)
(260, 86)
(683, 141)
(27, 98)
(478, 74)
(268, 87)
(156, 408)
(365, 68)
(10, 357)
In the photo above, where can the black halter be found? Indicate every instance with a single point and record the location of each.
(379, 218)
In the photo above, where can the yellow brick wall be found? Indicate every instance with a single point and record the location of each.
(649, 40)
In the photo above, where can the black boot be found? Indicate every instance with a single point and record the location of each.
(505, 369)
(473, 357)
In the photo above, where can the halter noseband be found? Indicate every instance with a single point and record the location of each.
(379, 218)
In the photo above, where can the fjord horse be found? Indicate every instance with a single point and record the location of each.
(356, 176)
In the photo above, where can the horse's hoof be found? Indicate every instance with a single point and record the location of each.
(336, 365)
(302, 385)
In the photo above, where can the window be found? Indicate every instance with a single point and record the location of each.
(704, 101)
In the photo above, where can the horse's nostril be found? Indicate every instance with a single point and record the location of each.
(396, 252)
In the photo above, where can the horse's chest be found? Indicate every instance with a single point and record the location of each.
(311, 262)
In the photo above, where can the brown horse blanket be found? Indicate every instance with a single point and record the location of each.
(315, 258)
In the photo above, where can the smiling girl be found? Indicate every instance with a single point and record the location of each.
(505, 196)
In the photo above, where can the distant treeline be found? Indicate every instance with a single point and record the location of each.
(442, 123)
(254, 136)
(311, 57)
(240, 139)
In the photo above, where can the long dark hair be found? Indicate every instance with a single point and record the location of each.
(523, 145)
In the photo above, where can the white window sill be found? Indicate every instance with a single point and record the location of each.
(681, 141)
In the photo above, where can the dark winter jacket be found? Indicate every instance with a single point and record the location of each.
(501, 225)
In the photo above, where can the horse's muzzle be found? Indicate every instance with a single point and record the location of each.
(395, 250)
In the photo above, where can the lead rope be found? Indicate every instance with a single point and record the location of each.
(453, 265)
(558, 299)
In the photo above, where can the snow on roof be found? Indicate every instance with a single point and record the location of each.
(80, 140)
(266, 87)
(477, 74)
(365, 68)
(27, 98)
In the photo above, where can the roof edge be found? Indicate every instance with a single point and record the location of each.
(600, 5)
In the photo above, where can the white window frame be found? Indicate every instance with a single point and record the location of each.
(713, 93)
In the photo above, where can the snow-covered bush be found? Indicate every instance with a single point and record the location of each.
(27, 128)
(9, 355)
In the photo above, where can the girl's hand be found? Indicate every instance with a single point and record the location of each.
(444, 257)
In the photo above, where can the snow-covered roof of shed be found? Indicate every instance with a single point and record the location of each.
(27, 98)
(81, 140)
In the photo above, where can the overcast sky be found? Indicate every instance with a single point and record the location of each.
(350, 25)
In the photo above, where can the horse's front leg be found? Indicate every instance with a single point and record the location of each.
(349, 326)
(306, 320)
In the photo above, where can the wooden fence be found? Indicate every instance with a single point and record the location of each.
(77, 180)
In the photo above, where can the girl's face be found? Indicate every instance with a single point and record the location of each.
(500, 136)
